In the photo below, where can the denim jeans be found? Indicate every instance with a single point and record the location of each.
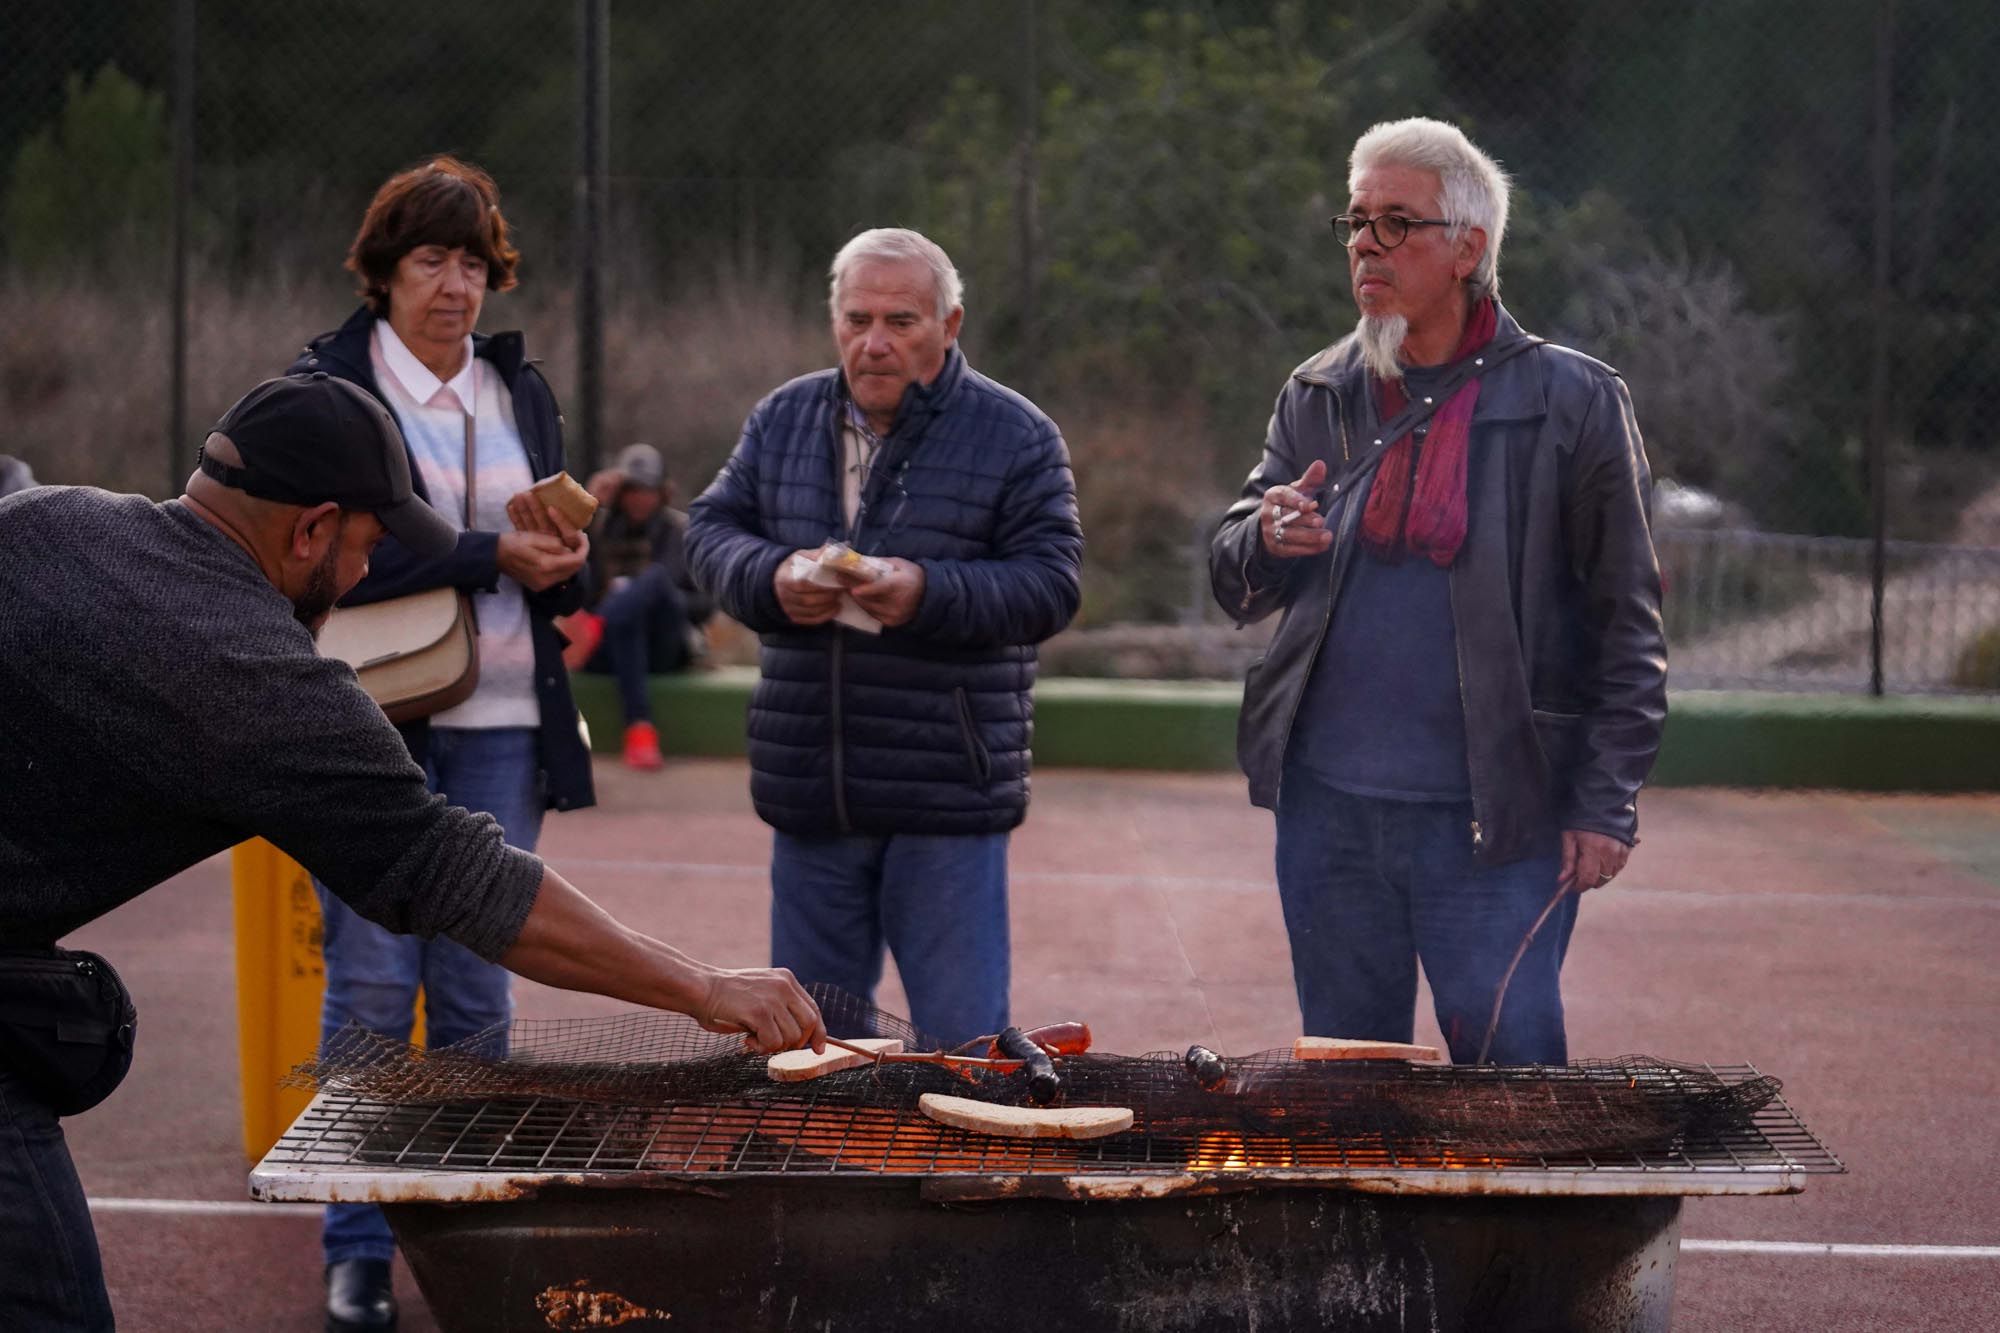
(50, 1274)
(372, 974)
(1371, 887)
(939, 902)
(645, 631)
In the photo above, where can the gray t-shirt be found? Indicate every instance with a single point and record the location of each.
(160, 703)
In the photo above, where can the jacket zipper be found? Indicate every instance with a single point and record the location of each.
(1332, 591)
(833, 715)
(1465, 711)
(836, 658)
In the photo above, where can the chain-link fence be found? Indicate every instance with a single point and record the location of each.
(1771, 215)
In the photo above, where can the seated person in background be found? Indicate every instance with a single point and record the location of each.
(647, 603)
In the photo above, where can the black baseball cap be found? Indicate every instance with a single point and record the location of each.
(308, 439)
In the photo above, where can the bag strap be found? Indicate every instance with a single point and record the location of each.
(471, 472)
(1416, 414)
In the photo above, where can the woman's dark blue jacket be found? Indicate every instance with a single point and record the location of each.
(475, 564)
(924, 728)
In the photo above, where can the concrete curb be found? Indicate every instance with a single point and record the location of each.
(1714, 738)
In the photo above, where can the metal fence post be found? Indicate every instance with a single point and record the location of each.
(593, 166)
(183, 187)
(1026, 205)
(1882, 161)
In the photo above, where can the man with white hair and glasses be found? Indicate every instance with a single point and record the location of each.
(1467, 685)
(901, 531)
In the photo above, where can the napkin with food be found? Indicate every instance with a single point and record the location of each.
(820, 569)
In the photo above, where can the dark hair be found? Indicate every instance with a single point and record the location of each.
(442, 202)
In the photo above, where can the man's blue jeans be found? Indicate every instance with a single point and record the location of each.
(939, 902)
(645, 632)
(1371, 887)
(50, 1275)
(372, 974)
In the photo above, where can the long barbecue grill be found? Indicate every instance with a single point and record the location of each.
(639, 1173)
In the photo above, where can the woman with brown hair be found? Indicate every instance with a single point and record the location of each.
(481, 427)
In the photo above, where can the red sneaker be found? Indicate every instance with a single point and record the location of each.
(642, 746)
(584, 630)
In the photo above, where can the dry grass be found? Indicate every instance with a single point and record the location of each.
(84, 365)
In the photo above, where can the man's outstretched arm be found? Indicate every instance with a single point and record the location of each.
(571, 942)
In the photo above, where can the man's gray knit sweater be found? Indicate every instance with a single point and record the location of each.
(159, 703)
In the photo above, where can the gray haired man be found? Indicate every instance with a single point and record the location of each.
(901, 531)
(1467, 685)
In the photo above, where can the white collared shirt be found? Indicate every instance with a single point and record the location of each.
(420, 382)
(432, 414)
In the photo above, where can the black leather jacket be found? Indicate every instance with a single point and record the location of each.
(1555, 595)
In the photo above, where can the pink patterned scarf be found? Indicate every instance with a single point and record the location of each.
(1428, 514)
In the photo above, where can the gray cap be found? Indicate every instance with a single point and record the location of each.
(641, 465)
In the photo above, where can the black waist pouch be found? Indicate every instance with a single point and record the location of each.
(66, 1025)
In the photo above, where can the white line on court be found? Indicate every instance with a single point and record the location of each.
(1813, 1248)
(202, 1207)
(1809, 1249)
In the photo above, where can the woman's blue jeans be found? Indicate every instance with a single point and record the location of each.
(372, 974)
(1373, 887)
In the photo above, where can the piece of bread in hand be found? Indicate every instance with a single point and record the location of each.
(561, 494)
(840, 558)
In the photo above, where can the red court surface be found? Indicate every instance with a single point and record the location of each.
(1849, 945)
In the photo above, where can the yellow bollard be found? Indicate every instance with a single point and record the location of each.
(280, 977)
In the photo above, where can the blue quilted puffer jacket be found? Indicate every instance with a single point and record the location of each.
(924, 728)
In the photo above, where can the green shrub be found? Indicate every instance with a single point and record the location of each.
(1979, 664)
(93, 181)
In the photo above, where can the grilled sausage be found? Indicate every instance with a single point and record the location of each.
(1070, 1038)
(1208, 1069)
(1043, 1082)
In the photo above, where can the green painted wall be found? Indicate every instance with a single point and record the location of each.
(1713, 738)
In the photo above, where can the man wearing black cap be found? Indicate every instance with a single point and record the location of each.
(160, 700)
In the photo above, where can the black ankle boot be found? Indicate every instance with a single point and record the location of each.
(359, 1297)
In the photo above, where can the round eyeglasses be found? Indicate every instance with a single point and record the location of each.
(1391, 229)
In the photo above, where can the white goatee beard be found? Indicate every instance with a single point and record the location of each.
(1381, 339)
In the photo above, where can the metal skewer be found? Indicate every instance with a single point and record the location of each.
(926, 1057)
(1500, 996)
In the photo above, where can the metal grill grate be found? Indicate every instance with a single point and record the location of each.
(819, 1128)
(651, 1094)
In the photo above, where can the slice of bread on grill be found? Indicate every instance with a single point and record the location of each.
(1349, 1048)
(1025, 1122)
(798, 1066)
(562, 494)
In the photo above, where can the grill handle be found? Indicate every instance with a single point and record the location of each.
(1043, 1082)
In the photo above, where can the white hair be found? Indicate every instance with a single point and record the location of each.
(1381, 340)
(898, 244)
(1472, 188)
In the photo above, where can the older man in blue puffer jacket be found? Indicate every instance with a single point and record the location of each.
(892, 763)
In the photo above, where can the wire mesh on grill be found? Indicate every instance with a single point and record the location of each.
(1634, 1103)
